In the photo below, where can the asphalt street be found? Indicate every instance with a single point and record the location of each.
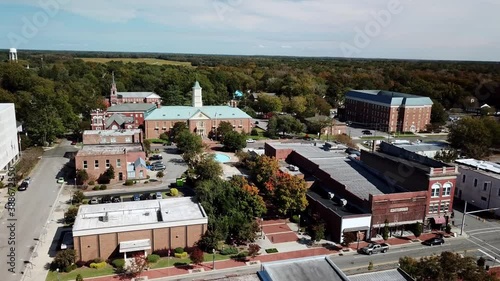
(31, 213)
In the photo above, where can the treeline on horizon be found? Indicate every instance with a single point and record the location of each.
(64, 86)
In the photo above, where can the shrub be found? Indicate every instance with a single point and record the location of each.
(96, 187)
(253, 250)
(254, 132)
(181, 255)
(295, 219)
(153, 258)
(64, 258)
(80, 263)
(70, 215)
(179, 250)
(160, 174)
(370, 265)
(79, 277)
(78, 197)
(448, 228)
(103, 187)
(161, 252)
(119, 263)
(98, 265)
(146, 182)
(97, 260)
(70, 268)
(129, 182)
(197, 256)
(91, 182)
(271, 250)
(229, 251)
(85, 201)
(174, 192)
(240, 257)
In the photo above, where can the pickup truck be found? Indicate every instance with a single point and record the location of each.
(374, 248)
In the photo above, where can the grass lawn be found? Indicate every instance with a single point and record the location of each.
(138, 60)
(260, 136)
(84, 271)
(373, 138)
(166, 262)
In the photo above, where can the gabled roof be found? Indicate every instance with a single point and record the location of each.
(139, 163)
(119, 119)
(186, 112)
(131, 107)
(141, 95)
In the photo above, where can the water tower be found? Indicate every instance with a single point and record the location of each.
(13, 55)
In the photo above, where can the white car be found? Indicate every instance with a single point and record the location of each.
(250, 140)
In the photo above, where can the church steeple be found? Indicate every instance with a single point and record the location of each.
(113, 97)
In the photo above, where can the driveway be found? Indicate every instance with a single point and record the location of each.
(174, 164)
(33, 207)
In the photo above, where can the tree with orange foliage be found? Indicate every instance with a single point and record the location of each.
(263, 169)
(287, 192)
(250, 201)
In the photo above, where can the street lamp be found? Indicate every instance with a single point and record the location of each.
(213, 261)
(58, 274)
(261, 229)
(463, 218)
(298, 224)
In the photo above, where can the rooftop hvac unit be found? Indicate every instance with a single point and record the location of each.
(331, 195)
(343, 202)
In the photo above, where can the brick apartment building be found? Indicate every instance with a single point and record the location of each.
(388, 111)
(121, 116)
(200, 119)
(124, 229)
(120, 148)
(413, 172)
(349, 196)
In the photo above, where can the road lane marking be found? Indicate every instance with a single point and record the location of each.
(484, 232)
(481, 229)
(493, 247)
(490, 256)
(480, 246)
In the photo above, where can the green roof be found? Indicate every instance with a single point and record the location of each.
(186, 112)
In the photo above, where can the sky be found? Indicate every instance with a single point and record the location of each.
(403, 29)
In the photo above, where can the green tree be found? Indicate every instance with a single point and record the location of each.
(418, 229)
(438, 114)
(147, 145)
(447, 156)
(177, 129)
(79, 277)
(63, 259)
(207, 168)
(263, 169)
(318, 232)
(82, 176)
(298, 104)
(78, 197)
(164, 136)
(234, 141)
(471, 136)
(70, 215)
(286, 124)
(190, 145)
(160, 174)
(224, 128)
(385, 234)
(267, 104)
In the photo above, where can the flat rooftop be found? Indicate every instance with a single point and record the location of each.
(89, 150)
(305, 269)
(486, 167)
(422, 146)
(112, 133)
(311, 149)
(320, 196)
(138, 215)
(389, 275)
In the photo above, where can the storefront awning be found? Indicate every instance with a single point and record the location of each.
(135, 245)
(358, 228)
(439, 220)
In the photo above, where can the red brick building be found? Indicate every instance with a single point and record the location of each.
(124, 229)
(121, 149)
(348, 195)
(132, 97)
(200, 119)
(122, 116)
(388, 111)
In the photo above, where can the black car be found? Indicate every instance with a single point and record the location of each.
(23, 186)
(366, 132)
(155, 157)
(116, 199)
(106, 199)
(146, 196)
(434, 241)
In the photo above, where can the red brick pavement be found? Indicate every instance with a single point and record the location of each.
(270, 229)
(278, 221)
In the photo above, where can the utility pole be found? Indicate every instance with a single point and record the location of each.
(463, 218)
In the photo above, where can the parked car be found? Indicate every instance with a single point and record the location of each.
(351, 151)
(250, 140)
(116, 199)
(158, 195)
(434, 241)
(27, 180)
(155, 157)
(60, 180)
(106, 199)
(158, 167)
(23, 186)
(293, 168)
(145, 196)
(374, 248)
(366, 132)
(94, 200)
(136, 197)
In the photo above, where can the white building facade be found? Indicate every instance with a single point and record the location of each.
(9, 143)
(479, 183)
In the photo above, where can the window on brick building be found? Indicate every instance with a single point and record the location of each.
(96, 164)
(433, 208)
(445, 206)
(463, 178)
(118, 163)
(107, 163)
(475, 182)
(85, 164)
(435, 190)
(447, 189)
(485, 186)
